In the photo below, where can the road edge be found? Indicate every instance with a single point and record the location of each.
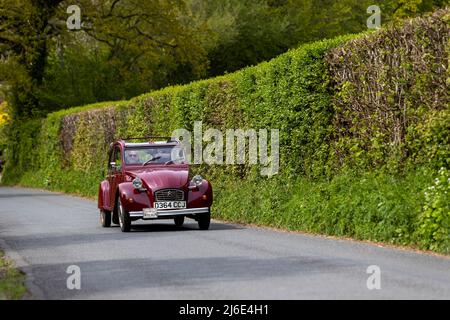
(34, 291)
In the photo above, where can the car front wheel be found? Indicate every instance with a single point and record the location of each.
(115, 217)
(179, 221)
(105, 218)
(124, 217)
(204, 220)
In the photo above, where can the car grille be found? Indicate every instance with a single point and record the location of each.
(169, 195)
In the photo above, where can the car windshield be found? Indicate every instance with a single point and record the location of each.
(154, 155)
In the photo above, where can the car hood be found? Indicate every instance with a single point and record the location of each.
(161, 178)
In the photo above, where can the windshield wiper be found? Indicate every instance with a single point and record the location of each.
(150, 160)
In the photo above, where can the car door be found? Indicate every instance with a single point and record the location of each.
(109, 175)
(115, 173)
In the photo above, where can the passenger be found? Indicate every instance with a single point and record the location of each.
(133, 157)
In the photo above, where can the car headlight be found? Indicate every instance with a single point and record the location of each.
(137, 183)
(197, 180)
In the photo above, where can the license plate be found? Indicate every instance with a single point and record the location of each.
(170, 205)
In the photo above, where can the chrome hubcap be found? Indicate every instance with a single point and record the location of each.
(120, 215)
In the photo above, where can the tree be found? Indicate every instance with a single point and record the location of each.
(127, 47)
(248, 32)
(24, 31)
(137, 45)
(241, 33)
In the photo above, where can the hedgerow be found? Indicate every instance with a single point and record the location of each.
(392, 97)
(363, 123)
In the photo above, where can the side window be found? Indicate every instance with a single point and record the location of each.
(118, 157)
(110, 158)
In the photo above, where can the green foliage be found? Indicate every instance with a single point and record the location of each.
(370, 206)
(434, 222)
(12, 280)
(398, 9)
(24, 30)
(291, 93)
(5, 120)
(124, 48)
(239, 33)
(392, 99)
(22, 157)
(132, 47)
(129, 47)
(244, 33)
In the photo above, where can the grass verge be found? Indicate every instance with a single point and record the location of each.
(12, 280)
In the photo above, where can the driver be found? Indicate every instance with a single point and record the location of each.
(133, 157)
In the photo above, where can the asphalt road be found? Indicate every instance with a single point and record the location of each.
(48, 232)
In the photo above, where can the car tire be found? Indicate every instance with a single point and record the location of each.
(204, 220)
(115, 217)
(179, 221)
(124, 217)
(105, 218)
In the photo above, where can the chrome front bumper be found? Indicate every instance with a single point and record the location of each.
(169, 213)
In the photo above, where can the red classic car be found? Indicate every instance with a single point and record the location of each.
(151, 180)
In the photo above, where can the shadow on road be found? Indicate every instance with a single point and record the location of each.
(27, 195)
(159, 227)
(99, 234)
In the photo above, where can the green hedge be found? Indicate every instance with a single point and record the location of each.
(392, 96)
(355, 157)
